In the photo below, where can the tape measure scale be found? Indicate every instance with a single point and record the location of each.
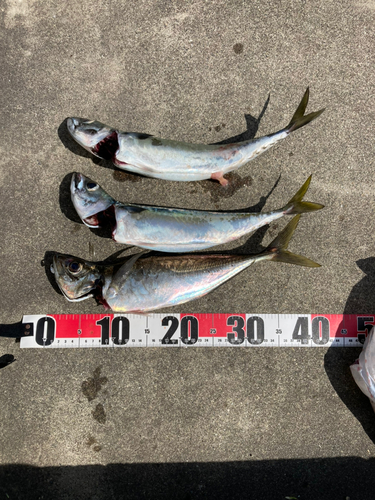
(198, 330)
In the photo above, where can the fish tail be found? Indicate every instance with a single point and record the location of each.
(299, 118)
(297, 206)
(277, 250)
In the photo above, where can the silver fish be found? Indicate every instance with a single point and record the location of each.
(175, 160)
(172, 229)
(145, 283)
(363, 370)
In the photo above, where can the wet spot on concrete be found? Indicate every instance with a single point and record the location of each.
(122, 176)
(76, 228)
(99, 414)
(93, 385)
(238, 48)
(191, 189)
(218, 192)
(92, 441)
(273, 230)
(219, 127)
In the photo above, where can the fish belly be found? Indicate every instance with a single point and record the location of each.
(173, 160)
(147, 288)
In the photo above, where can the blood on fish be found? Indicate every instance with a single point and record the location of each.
(119, 163)
(98, 294)
(107, 217)
(101, 300)
(104, 218)
(107, 147)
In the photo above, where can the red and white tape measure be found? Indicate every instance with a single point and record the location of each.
(185, 330)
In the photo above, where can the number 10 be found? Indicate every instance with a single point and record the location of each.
(118, 331)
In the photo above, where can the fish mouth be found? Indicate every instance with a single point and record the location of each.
(77, 299)
(72, 123)
(76, 182)
(105, 219)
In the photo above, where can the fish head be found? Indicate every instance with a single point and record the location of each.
(76, 278)
(88, 199)
(94, 136)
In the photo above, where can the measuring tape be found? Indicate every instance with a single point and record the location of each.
(184, 330)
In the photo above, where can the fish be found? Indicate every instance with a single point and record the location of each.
(363, 369)
(144, 283)
(172, 229)
(175, 160)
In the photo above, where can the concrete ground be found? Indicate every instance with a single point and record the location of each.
(188, 423)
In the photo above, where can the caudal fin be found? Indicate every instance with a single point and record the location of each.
(297, 206)
(299, 118)
(277, 249)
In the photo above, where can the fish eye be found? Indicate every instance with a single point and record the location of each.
(92, 186)
(75, 267)
(91, 131)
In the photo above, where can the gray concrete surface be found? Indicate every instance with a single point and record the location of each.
(265, 423)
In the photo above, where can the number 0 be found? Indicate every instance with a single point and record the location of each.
(186, 322)
(320, 330)
(45, 331)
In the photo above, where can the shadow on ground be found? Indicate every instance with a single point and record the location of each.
(309, 479)
(337, 361)
(252, 125)
(6, 360)
(362, 297)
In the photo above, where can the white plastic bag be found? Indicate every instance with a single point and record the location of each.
(363, 370)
